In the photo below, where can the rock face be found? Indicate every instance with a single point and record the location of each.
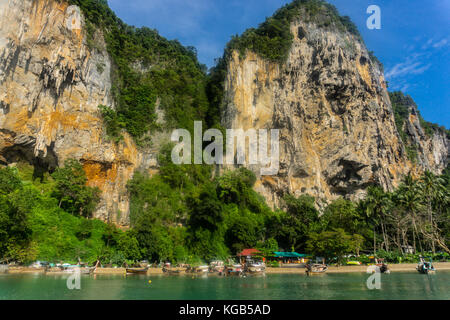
(338, 133)
(330, 102)
(432, 151)
(50, 87)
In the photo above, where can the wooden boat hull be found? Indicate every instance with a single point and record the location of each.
(201, 271)
(198, 270)
(234, 271)
(426, 271)
(173, 272)
(170, 271)
(137, 271)
(316, 269)
(255, 270)
(87, 271)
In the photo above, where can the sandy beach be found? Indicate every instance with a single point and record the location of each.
(440, 266)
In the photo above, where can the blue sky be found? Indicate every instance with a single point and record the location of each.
(413, 43)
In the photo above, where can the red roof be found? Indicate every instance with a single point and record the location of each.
(249, 252)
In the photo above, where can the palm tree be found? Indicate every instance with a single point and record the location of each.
(400, 222)
(431, 187)
(409, 199)
(376, 205)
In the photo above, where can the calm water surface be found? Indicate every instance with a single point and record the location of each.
(399, 286)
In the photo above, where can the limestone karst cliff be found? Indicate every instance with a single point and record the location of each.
(329, 98)
(425, 143)
(330, 101)
(50, 87)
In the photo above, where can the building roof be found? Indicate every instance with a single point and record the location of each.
(289, 255)
(249, 252)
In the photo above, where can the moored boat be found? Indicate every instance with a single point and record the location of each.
(217, 266)
(425, 267)
(383, 266)
(316, 268)
(198, 269)
(70, 269)
(137, 270)
(378, 265)
(255, 266)
(87, 270)
(169, 270)
(235, 269)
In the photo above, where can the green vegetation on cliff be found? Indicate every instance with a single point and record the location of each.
(149, 71)
(404, 106)
(273, 39)
(34, 216)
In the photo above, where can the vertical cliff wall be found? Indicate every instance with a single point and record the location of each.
(50, 87)
(426, 143)
(329, 99)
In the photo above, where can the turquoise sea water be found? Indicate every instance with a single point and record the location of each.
(397, 286)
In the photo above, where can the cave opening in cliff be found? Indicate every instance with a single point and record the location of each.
(21, 155)
(348, 179)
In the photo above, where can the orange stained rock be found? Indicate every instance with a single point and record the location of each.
(98, 174)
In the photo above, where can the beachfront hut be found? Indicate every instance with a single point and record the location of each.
(248, 254)
(290, 257)
(408, 249)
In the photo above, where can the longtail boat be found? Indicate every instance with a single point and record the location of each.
(425, 267)
(235, 269)
(198, 269)
(217, 267)
(137, 270)
(316, 269)
(252, 266)
(169, 270)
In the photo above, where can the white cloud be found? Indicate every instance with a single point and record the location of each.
(410, 66)
(432, 44)
(418, 62)
(440, 44)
